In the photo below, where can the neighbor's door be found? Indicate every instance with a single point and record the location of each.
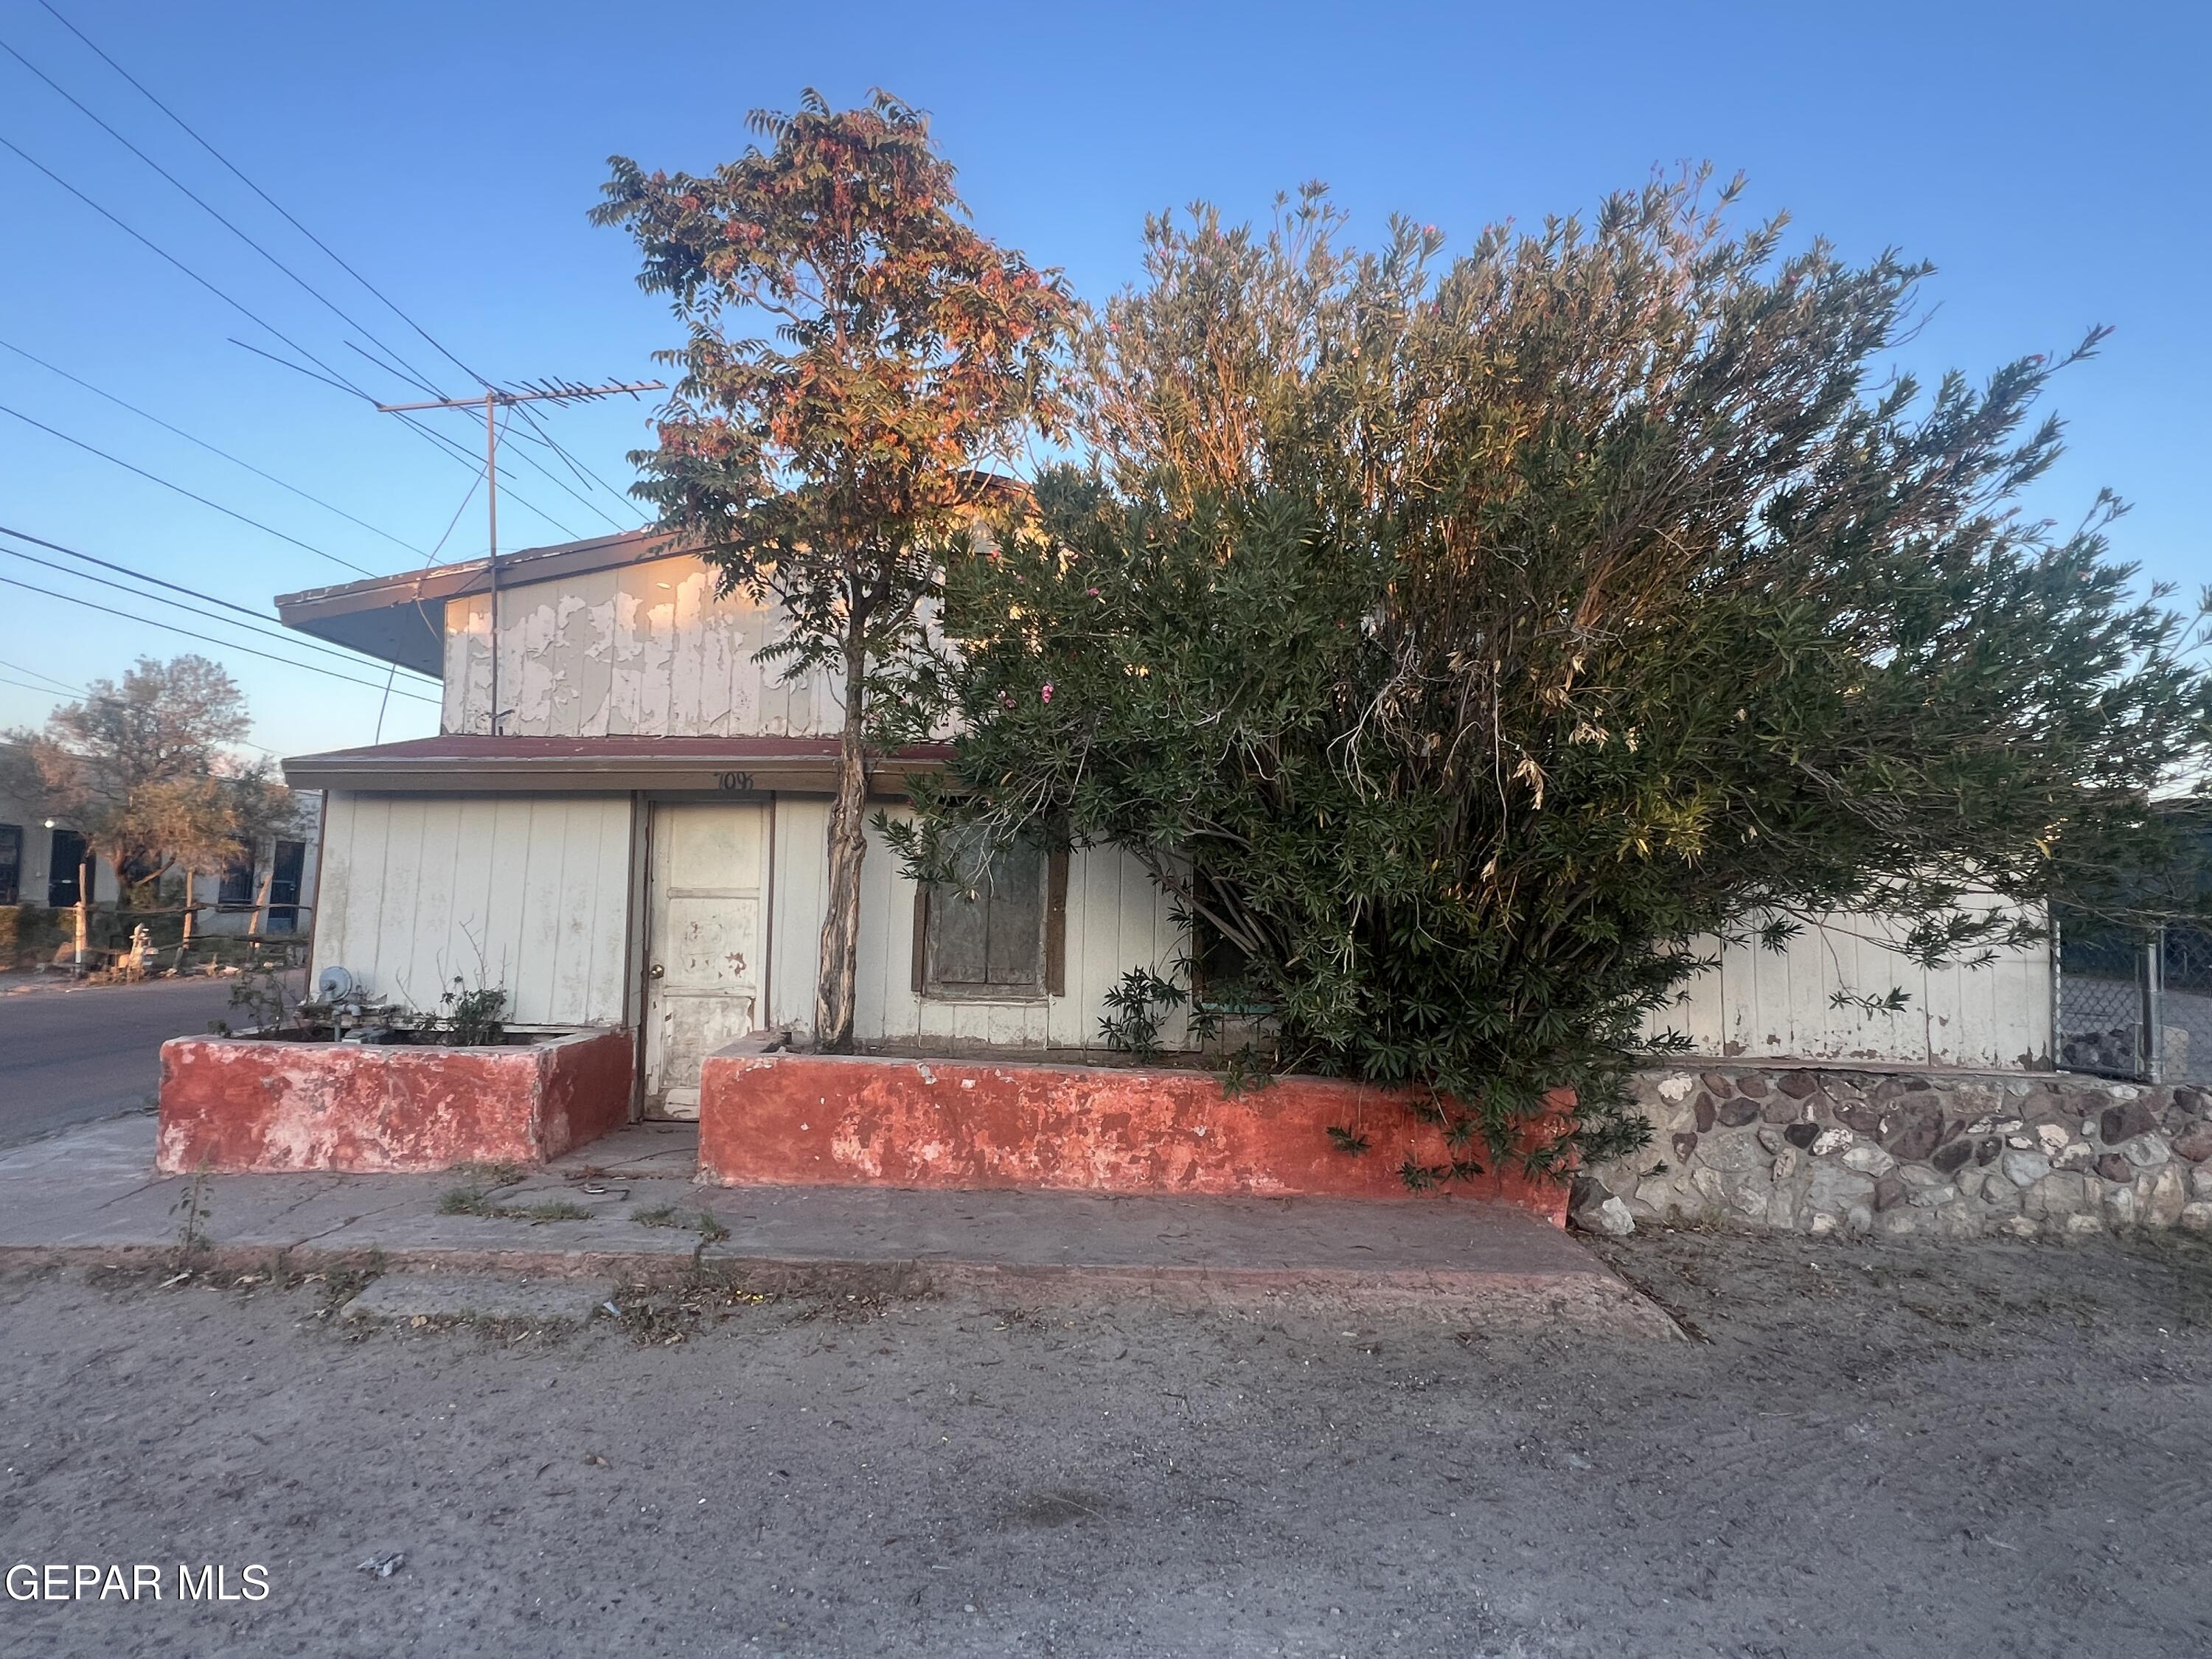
(703, 941)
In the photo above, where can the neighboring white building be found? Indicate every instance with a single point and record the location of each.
(41, 857)
(269, 890)
(637, 838)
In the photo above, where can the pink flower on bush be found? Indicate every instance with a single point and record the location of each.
(1047, 693)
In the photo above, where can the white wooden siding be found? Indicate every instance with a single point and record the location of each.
(798, 877)
(641, 649)
(1762, 1002)
(530, 893)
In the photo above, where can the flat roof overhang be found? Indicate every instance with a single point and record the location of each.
(460, 764)
(401, 618)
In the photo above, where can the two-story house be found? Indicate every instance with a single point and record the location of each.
(635, 836)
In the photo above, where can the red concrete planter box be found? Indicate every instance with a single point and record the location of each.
(239, 1104)
(863, 1121)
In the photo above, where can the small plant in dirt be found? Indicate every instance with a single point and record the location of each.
(468, 1016)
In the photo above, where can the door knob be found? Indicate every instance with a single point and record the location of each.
(655, 971)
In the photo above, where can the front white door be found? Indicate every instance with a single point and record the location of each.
(703, 937)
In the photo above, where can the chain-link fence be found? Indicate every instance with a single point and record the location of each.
(2135, 1005)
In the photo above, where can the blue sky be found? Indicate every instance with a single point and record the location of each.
(2049, 160)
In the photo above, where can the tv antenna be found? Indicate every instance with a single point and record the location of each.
(493, 398)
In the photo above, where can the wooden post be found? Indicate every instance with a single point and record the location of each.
(261, 897)
(85, 865)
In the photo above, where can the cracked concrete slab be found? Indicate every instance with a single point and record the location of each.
(91, 1192)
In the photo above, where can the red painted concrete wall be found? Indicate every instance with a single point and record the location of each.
(233, 1104)
(859, 1121)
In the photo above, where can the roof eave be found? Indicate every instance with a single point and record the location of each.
(366, 772)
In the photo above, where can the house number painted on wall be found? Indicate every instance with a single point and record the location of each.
(734, 780)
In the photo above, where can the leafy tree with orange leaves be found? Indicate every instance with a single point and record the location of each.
(834, 468)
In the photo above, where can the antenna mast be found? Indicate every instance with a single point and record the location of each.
(553, 392)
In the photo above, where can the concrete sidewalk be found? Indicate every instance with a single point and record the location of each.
(627, 1206)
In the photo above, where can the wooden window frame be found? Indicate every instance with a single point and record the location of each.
(1054, 947)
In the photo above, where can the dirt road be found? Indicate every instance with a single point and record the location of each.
(1994, 1449)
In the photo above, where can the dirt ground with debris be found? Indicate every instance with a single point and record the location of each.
(1976, 1449)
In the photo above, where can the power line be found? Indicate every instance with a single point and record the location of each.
(189, 132)
(589, 504)
(192, 609)
(419, 384)
(424, 616)
(212, 212)
(578, 467)
(39, 673)
(43, 691)
(406, 371)
(203, 443)
(228, 644)
(254, 624)
(438, 439)
(190, 494)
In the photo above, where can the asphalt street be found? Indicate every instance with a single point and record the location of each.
(70, 1053)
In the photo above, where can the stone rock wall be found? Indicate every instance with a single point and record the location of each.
(1818, 1149)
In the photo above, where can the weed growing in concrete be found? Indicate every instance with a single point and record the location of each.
(474, 1201)
(192, 1209)
(479, 1183)
(559, 1209)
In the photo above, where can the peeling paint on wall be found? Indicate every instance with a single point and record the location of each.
(645, 649)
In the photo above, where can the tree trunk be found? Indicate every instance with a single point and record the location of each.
(839, 977)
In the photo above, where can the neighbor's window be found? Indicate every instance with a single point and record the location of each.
(11, 863)
(237, 878)
(989, 943)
